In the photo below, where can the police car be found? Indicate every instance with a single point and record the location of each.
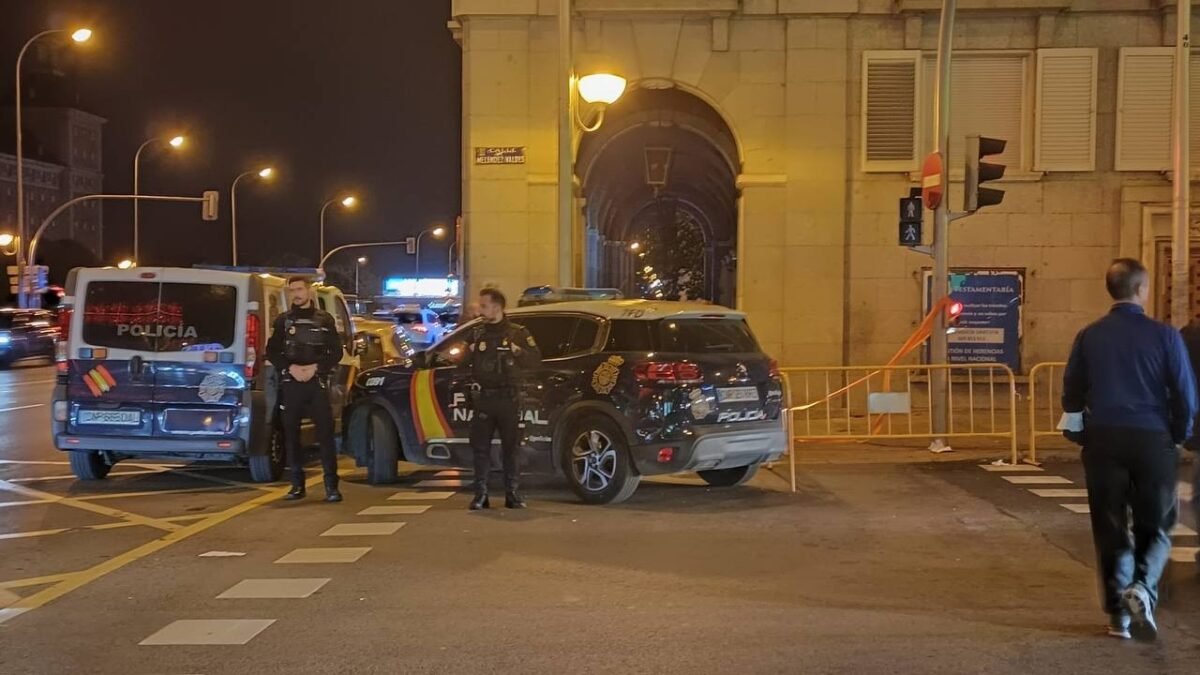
(627, 388)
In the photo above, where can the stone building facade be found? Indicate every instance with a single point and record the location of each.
(827, 104)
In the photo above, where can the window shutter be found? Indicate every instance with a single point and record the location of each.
(1144, 109)
(889, 110)
(988, 97)
(1065, 125)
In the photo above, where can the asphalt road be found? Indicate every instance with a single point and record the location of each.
(875, 565)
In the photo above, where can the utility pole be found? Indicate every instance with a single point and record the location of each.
(941, 218)
(566, 168)
(1181, 249)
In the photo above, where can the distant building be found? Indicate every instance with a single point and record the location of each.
(62, 156)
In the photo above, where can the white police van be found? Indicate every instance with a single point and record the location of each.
(168, 363)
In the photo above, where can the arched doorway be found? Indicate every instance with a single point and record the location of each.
(660, 183)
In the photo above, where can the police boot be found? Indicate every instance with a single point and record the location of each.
(297, 492)
(481, 500)
(331, 491)
(514, 500)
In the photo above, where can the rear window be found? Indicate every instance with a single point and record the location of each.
(409, 317)
(705, 336)
(155, 317)
(625, 335)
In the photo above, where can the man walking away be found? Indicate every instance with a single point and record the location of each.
(1130, 396)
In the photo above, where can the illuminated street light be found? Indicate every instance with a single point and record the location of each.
(125, 264)
(635, 246)
(264, 173)
(361, 261)
(6, 240)
(347, 202)
(437, 232)
(175, 142)
(79, 35)
(601, 88)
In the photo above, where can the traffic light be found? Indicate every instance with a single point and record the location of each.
(208, 206)
(954, 310)
(978, 172)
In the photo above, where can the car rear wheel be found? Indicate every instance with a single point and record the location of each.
(729, 477)
(596, 462)
(383, 448)
(268, 467)
(88, 465)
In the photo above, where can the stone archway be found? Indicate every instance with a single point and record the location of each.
(661, 173)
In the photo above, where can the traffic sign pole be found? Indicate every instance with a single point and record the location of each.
(938, 347)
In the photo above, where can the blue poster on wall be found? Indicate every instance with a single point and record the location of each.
(989, 329)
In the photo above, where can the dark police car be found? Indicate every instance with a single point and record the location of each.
(26, 334)
(627, 388)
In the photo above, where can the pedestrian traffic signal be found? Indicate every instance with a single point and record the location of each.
(978, 172)
(954, 310)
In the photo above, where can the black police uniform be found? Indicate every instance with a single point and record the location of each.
(307, 336)
(496, 355)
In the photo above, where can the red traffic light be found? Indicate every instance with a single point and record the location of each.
(954, 309)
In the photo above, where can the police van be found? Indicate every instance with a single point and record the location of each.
(167, 363)
(626, 389)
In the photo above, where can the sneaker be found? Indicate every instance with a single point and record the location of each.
(1137, 603)
(1118, 626)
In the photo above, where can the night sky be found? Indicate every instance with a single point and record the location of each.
(360, 95)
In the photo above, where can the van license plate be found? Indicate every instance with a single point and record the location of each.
(737, 394)
(123, 418)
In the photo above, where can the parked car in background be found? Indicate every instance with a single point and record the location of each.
(26, 334)
(421, 325)
(386, 343)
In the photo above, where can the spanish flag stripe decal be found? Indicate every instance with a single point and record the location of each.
(98, 380)
(106, 375)
(91, 385)
(427, 413)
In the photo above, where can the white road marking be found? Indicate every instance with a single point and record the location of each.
(1184, 554)
(273, 588)
(362, 530)
(1010, 467)
(35, 533)
(209, 632)
(1181, 530)
(22, 407)
(444, 483)
(314, 556)
(1059, 493)
(421, 496)
(405, 510)
(1037, 480)
(31, 461)
(1076, 508)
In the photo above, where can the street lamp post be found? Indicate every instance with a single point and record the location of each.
(437, 232)
(79, 35)
(347, 202)
(175, 142)
(362, 260)
(263, 173)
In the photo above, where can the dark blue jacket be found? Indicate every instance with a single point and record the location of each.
(1128, 370)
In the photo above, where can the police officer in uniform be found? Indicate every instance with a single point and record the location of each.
(497, 352)
(305, 349)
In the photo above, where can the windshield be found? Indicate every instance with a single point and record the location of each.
(706, 336)
(159, 317)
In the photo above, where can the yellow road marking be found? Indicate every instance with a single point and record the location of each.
(93, 573)
(37, 581)
(37, 479)
(27, 502)
(150, 493)
(35, 533)
(102, 526)
(86, 506)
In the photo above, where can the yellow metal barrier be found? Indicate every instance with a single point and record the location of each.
(895, 402)
(1052, 407)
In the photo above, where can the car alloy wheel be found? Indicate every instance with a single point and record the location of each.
(594, 461)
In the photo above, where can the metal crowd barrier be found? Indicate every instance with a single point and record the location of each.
(895, 402)
(1051, 407)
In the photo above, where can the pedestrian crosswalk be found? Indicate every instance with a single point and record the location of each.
(1030, 477)
(240, 631)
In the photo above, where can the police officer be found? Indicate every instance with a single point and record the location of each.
(497, 352)
(1130, 398)
(305, 349)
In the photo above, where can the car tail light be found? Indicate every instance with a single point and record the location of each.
(418, 328)
(61, 411)
(64, 322)
(253, 338)
(668, 372)
(665, 455)
(61, 357)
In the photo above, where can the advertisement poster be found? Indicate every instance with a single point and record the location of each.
(989, 329)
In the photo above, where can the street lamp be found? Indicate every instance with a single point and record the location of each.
(126, 264)
(347, 202)
(635, 246)
(264, 173)
(362, 260)
(175, 142)
(79, 35)
(437, 232)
